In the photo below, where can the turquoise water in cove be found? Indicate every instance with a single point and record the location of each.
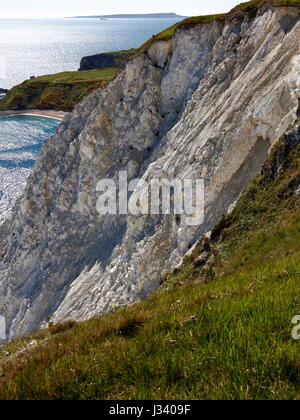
(21, 139)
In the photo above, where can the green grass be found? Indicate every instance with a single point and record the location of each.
(228, 339)
(125, 53)
(249, 6)
(220, 334)
(170, 32)
(265, 224)
(60, 91)
(245, 8)
(78, 77)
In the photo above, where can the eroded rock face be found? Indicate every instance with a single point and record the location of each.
(208, 104)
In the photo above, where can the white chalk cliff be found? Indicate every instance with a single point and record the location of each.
(207, 104)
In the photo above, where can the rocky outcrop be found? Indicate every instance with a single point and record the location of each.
(207, 104)
(106, 60)
(59, 92)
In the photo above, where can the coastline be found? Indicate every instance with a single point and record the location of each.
(57, 115)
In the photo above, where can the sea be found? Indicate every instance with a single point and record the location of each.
(21, 140)
(44, 46)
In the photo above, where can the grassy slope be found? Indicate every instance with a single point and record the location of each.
(222, 334)
(244, 8)
(78, 77)
(60, 91)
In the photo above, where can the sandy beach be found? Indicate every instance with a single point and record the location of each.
(59, 115)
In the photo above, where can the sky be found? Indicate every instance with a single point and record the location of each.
(62, 8)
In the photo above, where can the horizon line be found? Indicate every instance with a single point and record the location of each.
(69, 15)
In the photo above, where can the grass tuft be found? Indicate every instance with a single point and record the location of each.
(62, 327)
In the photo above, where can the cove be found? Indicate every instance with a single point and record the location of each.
(21, 140)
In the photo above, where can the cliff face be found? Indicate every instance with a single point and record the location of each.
(207, 104)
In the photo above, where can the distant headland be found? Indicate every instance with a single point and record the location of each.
(133, 16)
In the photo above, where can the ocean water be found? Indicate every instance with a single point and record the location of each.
(21, 139)
(37, 47)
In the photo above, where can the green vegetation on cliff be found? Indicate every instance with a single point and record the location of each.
(59, 92)
(249, 7)
(219, 328)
